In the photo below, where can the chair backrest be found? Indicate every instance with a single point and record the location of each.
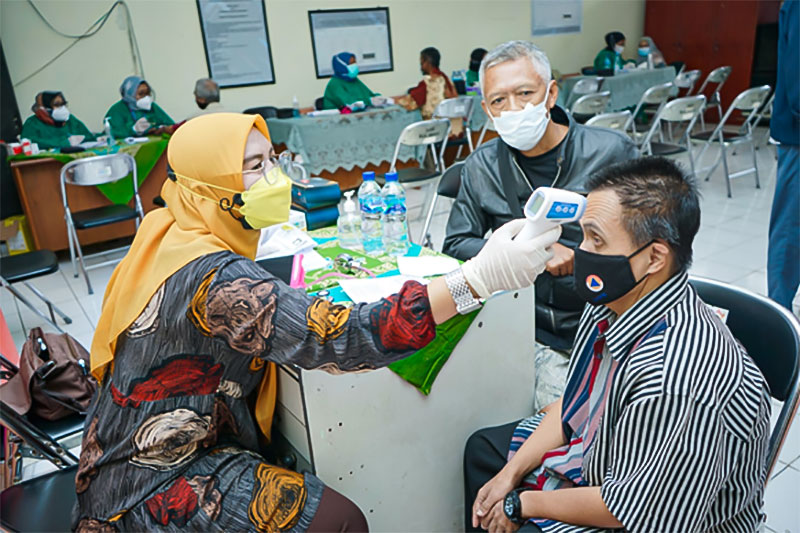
(425, 133)
(748, 101)
(686, 109)
(98, 170)
(460, 107)
(614, 121)
(587, 85)
(687, 79)
(718, 76)
(657, 94)
(450, 182)
(266, 111)
(36, 438)
(591, 104)
(771, 335)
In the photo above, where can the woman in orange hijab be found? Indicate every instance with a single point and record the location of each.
(189, 333)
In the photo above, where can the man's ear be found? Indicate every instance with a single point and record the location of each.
(659, 257)
(553, 96)
(486, 110)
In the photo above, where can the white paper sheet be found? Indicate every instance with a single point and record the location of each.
(426, 265)
(312, 260)
(283, 239)
(373, 289)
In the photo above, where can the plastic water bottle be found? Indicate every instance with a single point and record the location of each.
(109, 137)
(369, 197)
(295, 106)
(349, 224)
(395, 227)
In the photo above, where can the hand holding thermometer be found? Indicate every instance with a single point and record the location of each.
(547, 208)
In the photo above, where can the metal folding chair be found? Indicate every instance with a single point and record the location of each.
(448, 187)
(93, 171)
(656, 96)
(771, 335)
(455, 109)
(613, 121)
(590, 105)
(426, 134)
(717, 76)
(749, 100)
(23, 267)
(680, 110)
(487, 126)
(687, 80)
(583, 87)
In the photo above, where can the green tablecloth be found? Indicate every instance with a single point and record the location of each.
(421, 368)
(331, 142)
(626, 87)
(146, 155)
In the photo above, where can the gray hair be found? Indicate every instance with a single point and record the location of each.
(511, 51)
(207, 89)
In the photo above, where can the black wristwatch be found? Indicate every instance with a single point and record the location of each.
(512, 506)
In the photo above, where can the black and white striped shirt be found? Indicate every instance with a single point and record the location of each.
(682, 443)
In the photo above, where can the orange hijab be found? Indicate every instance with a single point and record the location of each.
(208, 149)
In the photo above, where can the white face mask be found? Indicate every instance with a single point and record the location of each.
(145, 102)
(619, 49)
(60, 113)
(525, 128)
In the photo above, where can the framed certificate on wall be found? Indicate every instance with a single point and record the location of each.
(363, 32)
(236, 42)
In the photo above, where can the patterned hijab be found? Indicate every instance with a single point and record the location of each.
(43, 107)
(208, 149)
(339, 64)
(128, 90)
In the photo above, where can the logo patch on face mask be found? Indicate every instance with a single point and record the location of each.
(594, 283)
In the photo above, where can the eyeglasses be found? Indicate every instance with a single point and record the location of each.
(263, 168)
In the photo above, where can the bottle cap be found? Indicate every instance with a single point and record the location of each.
(368, 175)
(349, 203)
(390, 176)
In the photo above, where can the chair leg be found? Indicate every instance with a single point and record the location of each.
(50, 305)
(458, 152)
(691, 158)
(425, 237)
(725, 166)
(18, 295)
(71, 246)
(80, 261)
(469, 140)
(755, 164)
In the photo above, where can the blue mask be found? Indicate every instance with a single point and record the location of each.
(352, 70)
(644, 50)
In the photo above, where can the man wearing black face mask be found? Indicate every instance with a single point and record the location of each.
(658, 394)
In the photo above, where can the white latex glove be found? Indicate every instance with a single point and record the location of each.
(506, 264)
(141, 126)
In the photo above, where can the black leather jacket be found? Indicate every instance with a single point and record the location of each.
(482, 205)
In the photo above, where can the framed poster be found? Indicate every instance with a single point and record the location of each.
(549, 17)
(236, 42)
(363, 32)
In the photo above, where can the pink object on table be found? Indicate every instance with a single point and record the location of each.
(298, 278)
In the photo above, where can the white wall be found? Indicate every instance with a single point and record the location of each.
(171, 45)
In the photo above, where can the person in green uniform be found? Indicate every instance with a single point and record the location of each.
(344, 88)
(610, 57)
(51, 124)
(137, 114)
(475, 59)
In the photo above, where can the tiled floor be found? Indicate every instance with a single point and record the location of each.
(731, 246)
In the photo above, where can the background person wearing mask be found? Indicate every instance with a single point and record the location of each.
(434, 87)
(191, 329)
(206, 96)
(51, 124)
(136, 113)
(539, 145)
(648, 47)
(344, 88)
(610, 57)
(475, 59)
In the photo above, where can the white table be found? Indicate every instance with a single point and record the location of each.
(397, 453)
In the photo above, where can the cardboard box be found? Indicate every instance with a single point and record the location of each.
(16, 234)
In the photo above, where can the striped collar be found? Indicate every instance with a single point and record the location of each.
(637, 320)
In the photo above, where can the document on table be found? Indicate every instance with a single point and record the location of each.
(283, 239)
(373, 289)
(431, 265)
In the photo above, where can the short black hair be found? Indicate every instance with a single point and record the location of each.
(659, 201)
(432, 55)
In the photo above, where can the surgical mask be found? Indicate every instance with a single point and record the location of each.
(145, 103)
(352, 70)
(600, 279)
(525, 128)
(644, 50)
(265, 203)
(60, 113)
(619, 49)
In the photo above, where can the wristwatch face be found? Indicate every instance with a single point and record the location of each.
(508, 507)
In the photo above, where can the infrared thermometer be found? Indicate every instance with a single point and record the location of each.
(547, 208)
